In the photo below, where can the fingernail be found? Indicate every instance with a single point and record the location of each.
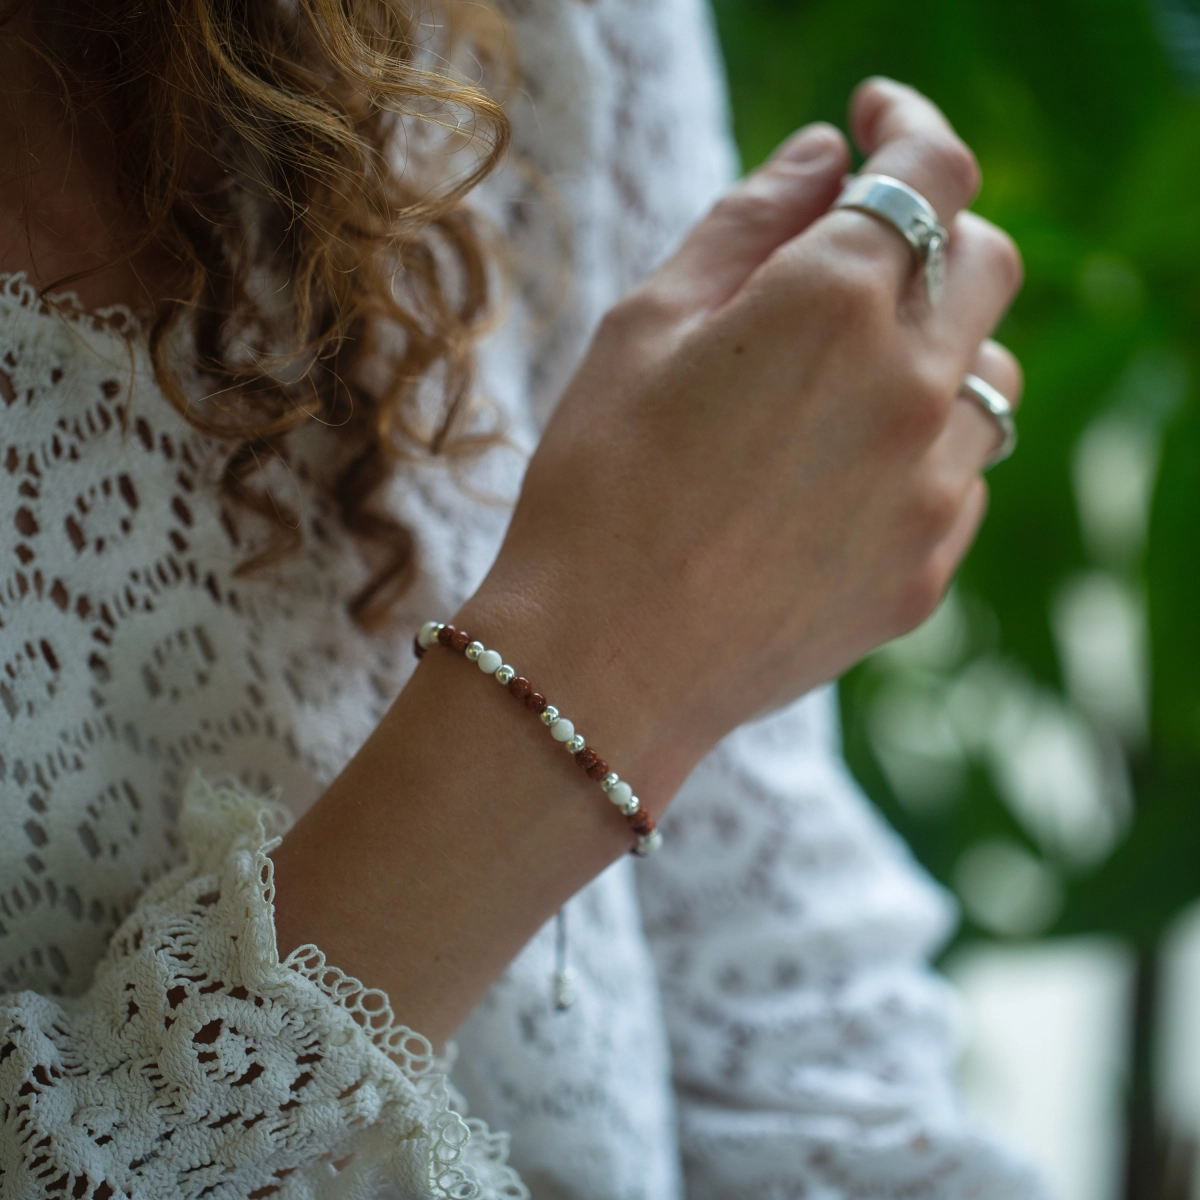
(812, 144)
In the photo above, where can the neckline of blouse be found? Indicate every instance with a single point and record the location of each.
(117, 320)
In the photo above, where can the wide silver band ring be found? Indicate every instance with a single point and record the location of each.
(999, 408)
(909, 213)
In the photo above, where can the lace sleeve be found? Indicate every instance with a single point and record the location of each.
(812, 1045)
(199, 1065)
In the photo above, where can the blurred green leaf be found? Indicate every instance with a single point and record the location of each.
(1089, 139)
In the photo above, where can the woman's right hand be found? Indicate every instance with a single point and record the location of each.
(760, 471)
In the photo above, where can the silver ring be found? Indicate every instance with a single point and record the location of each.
(999, 408)
(910, 214)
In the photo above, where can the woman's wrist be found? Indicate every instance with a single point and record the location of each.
(456, 831)
(580, 656)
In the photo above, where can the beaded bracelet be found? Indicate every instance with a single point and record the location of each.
(435, 633)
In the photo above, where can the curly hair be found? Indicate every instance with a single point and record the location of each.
(257, 145)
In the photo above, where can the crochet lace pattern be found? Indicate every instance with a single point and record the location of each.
(754, 1014)
(198, 1064)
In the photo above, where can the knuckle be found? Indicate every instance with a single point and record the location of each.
(756, 202)
(853, 288)
(995, 248)
(934, 511)
(951, 159)
(617, 322)
(921, 406)
(1004, 367)
(848, 288)
(644, 310)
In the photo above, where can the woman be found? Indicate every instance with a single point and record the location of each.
(217, 560)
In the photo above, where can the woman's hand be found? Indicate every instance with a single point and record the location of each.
(759, 473)
(761, 470)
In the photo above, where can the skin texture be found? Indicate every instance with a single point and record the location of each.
(764, 473)
(60, 213)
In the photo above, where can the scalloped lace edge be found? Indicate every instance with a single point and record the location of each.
(220, 819)
(117, 319)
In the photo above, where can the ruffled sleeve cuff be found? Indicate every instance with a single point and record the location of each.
(200, 1064)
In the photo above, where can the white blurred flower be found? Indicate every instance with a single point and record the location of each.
(915, 742)
(1006, 889)
(1100, 625)
(1056, 779)
(1113, 471)
(1064, 785)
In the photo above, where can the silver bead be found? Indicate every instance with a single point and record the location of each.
(610, 781)
(474, 650)
(506, 674)
(576, 744)
(550, 715)
(631, 806)
(647, 844)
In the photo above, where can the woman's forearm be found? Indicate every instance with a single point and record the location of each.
(461, 826)
(760, 472)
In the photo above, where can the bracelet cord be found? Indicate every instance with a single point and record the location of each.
(490, 662)
(649, 839)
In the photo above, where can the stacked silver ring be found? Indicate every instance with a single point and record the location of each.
(915, 219)
(910, 214)
(997, 405)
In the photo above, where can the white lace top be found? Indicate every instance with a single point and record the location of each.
(754, 1016)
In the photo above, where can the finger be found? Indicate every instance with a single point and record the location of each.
(774, 204)
(999, 366)
(983, 275)
(971, 435)
(907, 136)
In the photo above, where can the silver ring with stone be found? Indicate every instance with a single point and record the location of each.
(999, 408)
(910, 214)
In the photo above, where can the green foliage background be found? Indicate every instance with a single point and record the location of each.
(1088, 132)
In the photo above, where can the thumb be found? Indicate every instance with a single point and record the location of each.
(774, 204)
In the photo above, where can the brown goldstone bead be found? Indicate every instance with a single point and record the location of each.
(586, 758)
(445, 634)
(598, 769)
(642, 822)
(460, 639)
(520, 687)
(418, 649)
(536, 701)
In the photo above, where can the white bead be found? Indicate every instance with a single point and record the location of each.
(549, 715)
(620, 794)
(564, 997)
(428, 634)
(562, 730)
(576, 744)
(610, 781)
(489, 662)
(648, 843)
(506, 674)
(631, 806)
(474, 650)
